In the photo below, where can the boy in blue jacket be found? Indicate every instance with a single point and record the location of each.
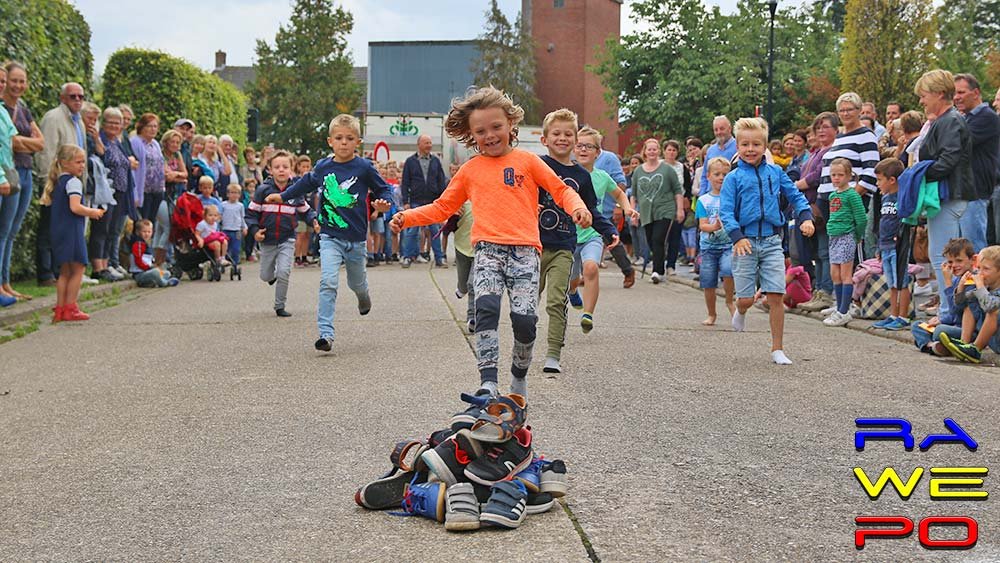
(345, 182)
(749, 209)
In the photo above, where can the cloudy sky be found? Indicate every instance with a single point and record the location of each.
(193, 29)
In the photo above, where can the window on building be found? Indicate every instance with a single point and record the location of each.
(558, 3)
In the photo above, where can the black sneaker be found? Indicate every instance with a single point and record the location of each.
(324, 344)
(389, 490)
(450, 458)
(507, 506)
(469, 416)
(539, 503)
(282, 313)
(502, 461)
(365, 303)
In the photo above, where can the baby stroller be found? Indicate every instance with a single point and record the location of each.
(188, 256)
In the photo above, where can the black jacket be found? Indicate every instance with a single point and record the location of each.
(984, 128)
(949, 145)
(417, 190)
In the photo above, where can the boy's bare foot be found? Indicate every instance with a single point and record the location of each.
(709, 321)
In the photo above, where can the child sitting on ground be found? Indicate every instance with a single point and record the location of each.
(958, 259)
(798, 288)
(234, 224)
(716, 248)
(209, 236)
(887, 175)
(754, 221)
(141, 265)
(845, 227)
(987, 293)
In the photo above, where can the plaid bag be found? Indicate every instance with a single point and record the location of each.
(875, 300)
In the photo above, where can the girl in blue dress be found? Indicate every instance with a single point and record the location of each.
(64, 193)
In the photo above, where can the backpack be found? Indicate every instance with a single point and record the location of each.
(104, 195)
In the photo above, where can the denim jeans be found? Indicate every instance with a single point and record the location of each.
(922, 338)
(332, 253)
(411, 242)
(152, 277)
(763, 268)
(716, 262)
(973, 223)
(235, 241)
(943, 227)
(19, 210)
(119, 213)
(995, 201)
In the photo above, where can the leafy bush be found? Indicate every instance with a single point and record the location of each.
(151, 81)
(52, 39)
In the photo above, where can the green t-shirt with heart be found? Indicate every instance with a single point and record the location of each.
(655, 193)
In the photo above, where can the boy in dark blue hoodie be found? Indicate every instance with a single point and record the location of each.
(345, 183)
(750, 212)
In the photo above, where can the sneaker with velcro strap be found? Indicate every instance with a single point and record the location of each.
(553, 479)
(539, 503)
(425, 499)
(503, 460)
(449, 459)
(508, 505)
(462, 508)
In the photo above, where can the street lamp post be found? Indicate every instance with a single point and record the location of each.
(772, 5)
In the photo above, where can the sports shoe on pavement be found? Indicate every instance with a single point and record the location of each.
(121, 270)
(884, 322)
(441, 264)
(838, 319)
(282, 313)
(502, 461)
(552, 365)
(507, 506)
(828, 311)
(854, 311)
(425, 499)
(421, 260)
(388, 490)
(500, 418)
(468, 417)
(575, 300)
(406, 262)
(461, 508)
(471, 326)
(655, 278)
(365, 303)
(87, 280)
(532, 475)
(450, 458)
(553, 479)
(820, 301)
(173, 282)
(539, 502)
(324, 344)
(669, 272)
(962, 350)
(899, 323)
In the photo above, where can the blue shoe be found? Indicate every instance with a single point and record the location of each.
(172, 282)
(7, 300)
(884, 323)
(532, 475)
(469, 416)
(899, 323)
(575, 300)
(508, 505)
(425, 499)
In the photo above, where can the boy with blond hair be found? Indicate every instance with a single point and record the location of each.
(750, 213)
(560, 238)
(345, 182)
(979, 325)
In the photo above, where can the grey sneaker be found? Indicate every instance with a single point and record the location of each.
(407, 262)
(364, 303)
(507, 506)
(324, 344)
(552, 365)
(461, 508)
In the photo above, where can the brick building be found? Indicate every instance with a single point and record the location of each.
(567, 34)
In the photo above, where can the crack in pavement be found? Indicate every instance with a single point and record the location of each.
(584, 537)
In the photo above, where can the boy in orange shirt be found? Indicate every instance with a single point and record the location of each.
(502, 184)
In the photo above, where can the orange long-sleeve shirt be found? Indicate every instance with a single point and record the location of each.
(504, 195)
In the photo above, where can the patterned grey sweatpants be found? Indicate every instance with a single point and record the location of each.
(514, 268)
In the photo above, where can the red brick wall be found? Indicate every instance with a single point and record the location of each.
(566, 40)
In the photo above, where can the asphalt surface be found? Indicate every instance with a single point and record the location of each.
(192, 424)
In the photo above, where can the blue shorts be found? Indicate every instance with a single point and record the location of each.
(590, 251)
(690, 237)
(889, 264)
(716, 262)
(763, 268)
(376, 226)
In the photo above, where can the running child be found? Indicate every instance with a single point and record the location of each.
(345, 182)
(209, 236)
(273, 223)
(716, 248)
(987, 281)
(959, 257)
(846, 228)
(64, 194)
(234, 224)
(756, 234)
(562, 242)
(586, 258)
(887, 175)
(502, 184)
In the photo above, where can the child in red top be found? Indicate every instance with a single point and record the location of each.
(798, 289)
(502, 184)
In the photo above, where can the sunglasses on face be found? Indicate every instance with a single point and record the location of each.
(77, 97)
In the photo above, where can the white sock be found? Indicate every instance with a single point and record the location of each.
(779, 357)
(739, 321)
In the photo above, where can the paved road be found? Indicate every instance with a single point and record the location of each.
(193, 424)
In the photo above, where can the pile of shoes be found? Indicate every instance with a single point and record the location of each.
(481, 471)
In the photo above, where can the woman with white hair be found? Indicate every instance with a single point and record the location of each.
(106, 232)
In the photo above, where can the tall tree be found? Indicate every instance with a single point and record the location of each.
(305, 77)
(969, 36)
(507, 60)
(888, 44)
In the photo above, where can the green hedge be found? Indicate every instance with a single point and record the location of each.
(151, 81)
(52, 39)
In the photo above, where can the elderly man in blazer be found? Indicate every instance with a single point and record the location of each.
(422, 183)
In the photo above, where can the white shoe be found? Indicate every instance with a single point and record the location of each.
(921, 290)
(552, 365)
(854, 311)
(828, 311)
(87, 280)
(420, 259)
(121, 271)
(669, 272)
(837, 319)
(655, 278)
